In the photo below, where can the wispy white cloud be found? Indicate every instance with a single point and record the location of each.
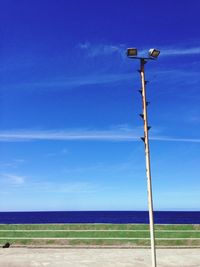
(77, 81)
(41, 185)
(12, 164)
(63, 152)
(180, 51)
(129, 166)
(109, 74)
(175, 139)
(174, 51)
(62, 187)
(117, 134)
(12, 179)
(94, 50)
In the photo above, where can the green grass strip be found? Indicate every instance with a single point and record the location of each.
(95, 227)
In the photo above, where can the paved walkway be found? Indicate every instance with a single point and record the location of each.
(20, 257)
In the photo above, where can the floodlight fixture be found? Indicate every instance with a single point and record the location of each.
(131, 52)
(154, 52)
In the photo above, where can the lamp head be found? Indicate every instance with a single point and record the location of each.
(154, 53)
(131, 52)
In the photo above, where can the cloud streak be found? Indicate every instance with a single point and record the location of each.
(13, 179)
(180, 51)
(119, 134)
(78, 81)
(68, 135)
(66, 187)
(109, 75)
(94, 50)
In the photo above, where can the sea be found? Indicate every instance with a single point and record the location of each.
(113, 217)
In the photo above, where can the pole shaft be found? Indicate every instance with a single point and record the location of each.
(148, 166)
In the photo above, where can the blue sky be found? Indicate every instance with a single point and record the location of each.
(70, 130)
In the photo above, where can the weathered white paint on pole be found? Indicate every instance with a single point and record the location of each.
(148, 166)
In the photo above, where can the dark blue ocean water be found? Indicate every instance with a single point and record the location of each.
(160, 217)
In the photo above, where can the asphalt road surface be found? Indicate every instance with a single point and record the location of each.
(25, 257)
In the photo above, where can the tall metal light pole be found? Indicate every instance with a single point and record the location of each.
(153, 54)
